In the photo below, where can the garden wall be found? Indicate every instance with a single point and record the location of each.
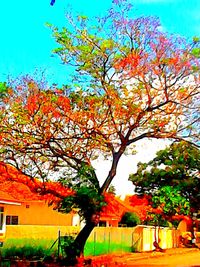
(141, 238)
(39, 231)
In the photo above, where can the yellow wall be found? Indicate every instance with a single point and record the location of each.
(114, 234)
(38, 213)
(140, 237)
(38, 231)
(166, 238)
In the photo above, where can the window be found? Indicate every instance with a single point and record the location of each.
(12, 220)
(1, 217)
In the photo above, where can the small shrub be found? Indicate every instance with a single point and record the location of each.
(130, 219)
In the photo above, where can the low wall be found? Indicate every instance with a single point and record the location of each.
(38, 231)
(139, 237)
(165, 237)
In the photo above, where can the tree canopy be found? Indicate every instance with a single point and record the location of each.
(130, 219)
(171, 177)
(131, 81)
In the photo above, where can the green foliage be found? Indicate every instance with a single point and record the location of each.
(196, 52)
(130, 219)
(196, 39)
(68, 247)
(155, 219)
(41, 247)
(29, 248)
(86, 199)
(3, 89)
(171, 201)
(112, 189)
(175, 170)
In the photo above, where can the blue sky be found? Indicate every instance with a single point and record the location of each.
(26, 42)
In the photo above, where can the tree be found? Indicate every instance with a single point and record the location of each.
(112, 189)
(141, 206)
(172, 180)
(168, 206)
(177, 167)
(167, 203)
(130, 219)
(170, 202)
(131, 82)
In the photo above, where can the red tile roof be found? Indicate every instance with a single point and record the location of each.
(115, 209)
(22, 188)
(13, 190)
(7, 198)
(17, 191)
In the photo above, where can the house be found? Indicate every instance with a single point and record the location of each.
(29, 217)
(113, 212)
(33, 210)
(21, 209)
(26, 208)
(5, 201)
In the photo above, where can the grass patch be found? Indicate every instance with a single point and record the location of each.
(94, 249)
(40, 248)
(28, 248)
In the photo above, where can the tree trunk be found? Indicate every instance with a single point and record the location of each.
(76, 249)
(83, 236)
(156, 238)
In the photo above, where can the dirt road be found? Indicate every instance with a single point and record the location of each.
(191, 259)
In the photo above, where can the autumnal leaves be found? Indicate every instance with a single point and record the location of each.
(22, 187)
(132, 81)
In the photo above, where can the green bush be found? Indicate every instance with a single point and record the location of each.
(130, 219)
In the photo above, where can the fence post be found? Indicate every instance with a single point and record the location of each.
(121, 240)
(94, 243)
(132, 242)
(58, 243)
(109, 242)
